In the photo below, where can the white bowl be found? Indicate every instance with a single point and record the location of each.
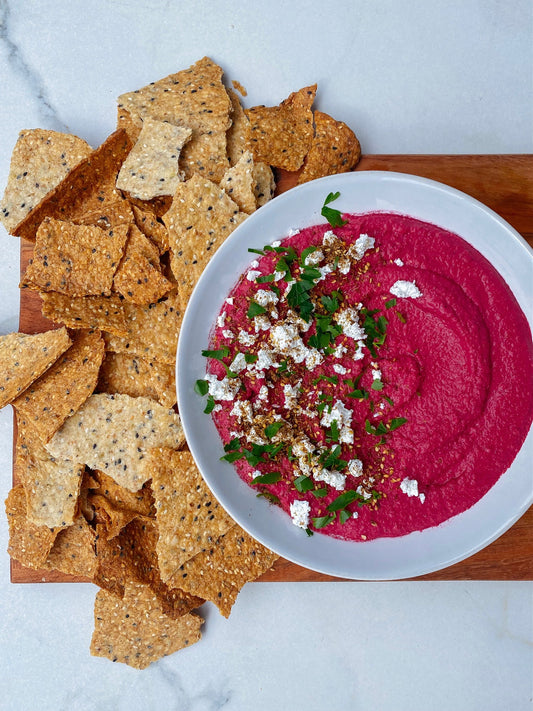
(386, 558)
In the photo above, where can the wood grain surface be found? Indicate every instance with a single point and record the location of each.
(505, 184)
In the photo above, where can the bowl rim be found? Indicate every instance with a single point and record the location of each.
(274, 528)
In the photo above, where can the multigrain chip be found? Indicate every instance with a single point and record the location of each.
(239, 183)
(282, 135)
(189, 517)
(138, 278)
(195, 98)
(151, 168)
(335, 149)
(202, 216)
(51, 485)
(147, 222)
(88, 312)
(205, 155)
(117, 505)
(89, 187)
(152, 331)
(138, 377)
(110, 215)
(238, 135)
(24, 358)
(117, 432)
(57, 394)
(40, 160)
(78, 260)
(135, 630)
(73, 551)
(219, 573)
(264, 183)
(28, 543)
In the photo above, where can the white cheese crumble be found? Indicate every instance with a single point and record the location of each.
(405, 289)
(238, 363)
(245, 338)
(265, 360)
(348, 320)
(253, 274)
(376, 373)
(398, 262)
(355, 467)
(254, 264)
(263, 297)
(339, 351)
(333, 478)
(329, 238)
(277, 243)
(227, 333)
(410, 487)
(291, 393)
(361, 245)
(314, 258)
(340, 369)
(224, 389)
(261, 323)
(229, 300)
(286, 340)
(343, 416)
(220, 319)
(242, 410)
(313, 358)
(300, 511)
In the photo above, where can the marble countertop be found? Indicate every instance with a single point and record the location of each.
(410, 77)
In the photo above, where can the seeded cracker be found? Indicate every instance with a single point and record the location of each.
(152, 331)
(138, 377)
(28, 543)
(89, 187)
(282, 135)
(91, 312)
(73, 551)
(238, 135)
(117, 506)
(40, 160)
(151, 168)
(200, 219)
(219, 573)
(147, 222)
(78, 260)
(23, 358)
(335, 149)
(239, 183)
(111, 215)
(135, 630)
(118, 431)
(51, 485)
(63, 388)
(189, 517)
(264, 183)
(138, 277)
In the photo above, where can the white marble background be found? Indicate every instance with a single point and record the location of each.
(450, 76)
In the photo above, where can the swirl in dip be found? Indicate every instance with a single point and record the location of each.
(371, 379)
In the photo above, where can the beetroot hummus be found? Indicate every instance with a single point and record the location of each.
(371, 379)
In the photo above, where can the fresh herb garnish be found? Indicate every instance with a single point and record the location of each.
(255, 309)
(218, 354)
(268, 478)
(330, 303)
(303, 483)
(320, 493)
(322, 521)
(201, 387)
(265, 278)
(250, 357)
(305, 253)
(333, 216)
(270, 497)
(377, 385)
(273, 429)
(390, 303)
(209, 405)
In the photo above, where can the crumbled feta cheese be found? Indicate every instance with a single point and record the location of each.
(238, 363)
(278, 276)
(290, 233)
(265, 360)
(220, 319)
(324, 271)
(409, 486)
(358, 354)
(343, 265)
(339, 351)
(333, 478)
(329, 238)
(265, 296)
(224, 389)
(348, 320)
(405, 289)
(376, 374)
(261, 323)
(277, 243)
(262, 395)
(398, 262)
(314, 258)
(361, 245)
(302, 447)
(227, 333)
(253, 274)
(217, 408)
(245, 338)
(242, 410)
(291, 393)
(362, 492)
(313, 358)
(355, 467)
(340, 369)
(300, 511)
(286, 340)
(255, 473)
(229, 300)
(343, 416)
(254, 264)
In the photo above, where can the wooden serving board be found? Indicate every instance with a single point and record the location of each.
(505, 184)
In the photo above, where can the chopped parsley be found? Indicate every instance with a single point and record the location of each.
(255, 309)
(333, 216)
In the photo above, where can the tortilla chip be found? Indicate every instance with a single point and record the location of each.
(335, 149)
(137, 377)
(238, 135)
(264, 183)
(78, 260)
(189, 517)
(200, 219)
(138, 277)
(195, 98)
(205, 155)
(40, 160)
(89, 187)
(118, 431)
(282, 135)
(135, 631)
(219, 573)
(119, 505)
(57, 394)
(52, 485)
(147, 222)
(152, 331)
(91, 312)
(112, 215)
(73, 551)
(28, 543)
(239, 183)
(151, 168)
(24, 358)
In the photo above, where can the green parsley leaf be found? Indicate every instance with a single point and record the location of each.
(332, 216)
(359, 394)
(390, 303)
(258, 251)
(232, 456)
(265, 278)
(210, 404)
(268, 478)
(255, 309)
(333, 434)
(320, 493)
(330, 303)
(322, 521)
(344, 516)
(377, 385)
(270, 497)
(305, 253)
(233, 445)
(272, 429)
(303, 483)
(396, 422)
(250, 357)
(201, 387)
(218, 355)
(342, 501)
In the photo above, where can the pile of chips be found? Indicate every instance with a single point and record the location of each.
(106, 487)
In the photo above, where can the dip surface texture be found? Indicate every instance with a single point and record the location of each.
(372, 379)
